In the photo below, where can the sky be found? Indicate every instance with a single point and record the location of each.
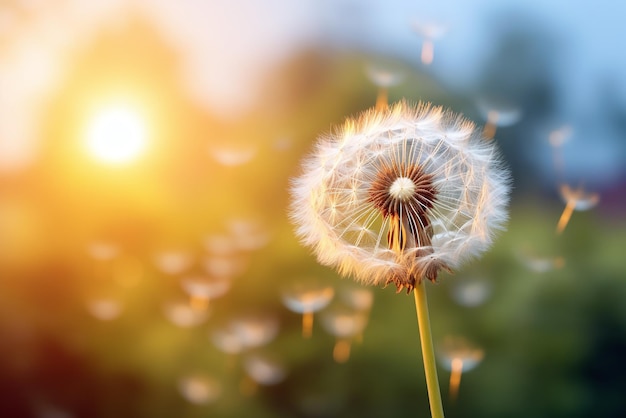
(252, 38)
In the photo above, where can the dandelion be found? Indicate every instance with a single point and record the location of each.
(398, 195)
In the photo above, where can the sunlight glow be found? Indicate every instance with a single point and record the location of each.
(116, 135)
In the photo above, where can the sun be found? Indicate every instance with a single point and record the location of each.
(116, 134)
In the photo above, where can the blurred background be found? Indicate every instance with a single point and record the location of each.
(147, 266)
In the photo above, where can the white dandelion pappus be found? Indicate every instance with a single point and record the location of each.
(397, 195)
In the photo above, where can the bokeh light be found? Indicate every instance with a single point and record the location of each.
(116, 134)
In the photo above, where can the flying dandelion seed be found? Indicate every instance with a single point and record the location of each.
(471, 292)
(220, 244)
(307, 297)
(173, 262)
(577, 199)
(399, 195)
(202, 289)
(255, 330)
(248, 234)
(539, 264)
(430, 32)
(384, 75)
(104, 309)
(224, 267)
(183, 315)
(560, 136)
(459, 355)
(199, 389)
(227, 339)
(358, 298)
(557, 139)
(497, 112)
(345, 324)
(264, 369)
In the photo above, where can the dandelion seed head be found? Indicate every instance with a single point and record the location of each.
(397, 195)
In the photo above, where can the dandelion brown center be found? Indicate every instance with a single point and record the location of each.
(402, 188)
(405, 194)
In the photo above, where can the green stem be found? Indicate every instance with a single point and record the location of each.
(428, 353)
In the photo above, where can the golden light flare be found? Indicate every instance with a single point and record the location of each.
(116, 134)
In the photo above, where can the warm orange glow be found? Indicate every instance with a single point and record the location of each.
(116, 135)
